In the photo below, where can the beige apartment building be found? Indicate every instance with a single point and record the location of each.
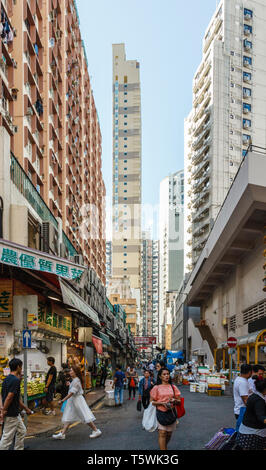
(228, 113)
(130, 308)
(126, 236)
(51, 132)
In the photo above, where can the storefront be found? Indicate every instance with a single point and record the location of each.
(250, 348)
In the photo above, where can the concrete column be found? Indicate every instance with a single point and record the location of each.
(5, 183)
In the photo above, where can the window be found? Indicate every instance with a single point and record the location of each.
(246, 77)
(247, 61)
(248, 14)
(125, 161)
(247, 29)
(246, 108)
(246, 123)
(125, 101)
(125, 115)
(246, 138)
(247, 45)
(246, 92)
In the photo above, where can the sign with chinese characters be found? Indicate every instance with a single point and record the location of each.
(2, 339)
(6, 301)
(55, 319)
(145, 340)
(32, 259)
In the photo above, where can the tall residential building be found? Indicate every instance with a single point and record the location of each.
(48, 112)
(171, 227)
(126, 233)
(108, 262)
(228, 91)
(149, 286)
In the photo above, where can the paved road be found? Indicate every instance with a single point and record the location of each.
(122, 430)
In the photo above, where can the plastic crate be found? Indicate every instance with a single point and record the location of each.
(214, 393)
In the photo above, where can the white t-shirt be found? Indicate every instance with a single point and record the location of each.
(241, 389)
(252, 388)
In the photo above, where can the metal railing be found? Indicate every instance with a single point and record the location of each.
(28, 190)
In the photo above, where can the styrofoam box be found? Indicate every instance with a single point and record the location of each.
(193, 387)
(110, 393)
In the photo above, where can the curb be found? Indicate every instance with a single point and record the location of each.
(59, 426)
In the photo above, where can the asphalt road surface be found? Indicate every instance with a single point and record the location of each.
(122, 427)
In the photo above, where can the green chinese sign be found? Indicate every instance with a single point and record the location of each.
(54, 319)
(39, 262)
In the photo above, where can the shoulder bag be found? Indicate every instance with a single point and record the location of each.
(168, 417)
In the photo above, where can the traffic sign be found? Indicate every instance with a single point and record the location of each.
(231, 342)
(26, 339)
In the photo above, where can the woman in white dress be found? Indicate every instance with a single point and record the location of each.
(76, 408)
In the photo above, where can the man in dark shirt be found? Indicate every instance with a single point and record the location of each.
(11, 406)
(118, 385)
(50, 386)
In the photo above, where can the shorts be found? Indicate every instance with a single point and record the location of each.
(50, 394)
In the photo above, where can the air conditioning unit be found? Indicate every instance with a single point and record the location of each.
(245, 110)
(78, 259)
(29, 112)
(50, 239)
(58, 34)
(247, 16)
(247, 63)
(246, 125)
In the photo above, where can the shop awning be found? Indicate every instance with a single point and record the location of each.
(98, 344)
(71, 298)
(110, 333)
(247, 339)
(105, 339)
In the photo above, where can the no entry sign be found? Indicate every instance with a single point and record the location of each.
(231, 342)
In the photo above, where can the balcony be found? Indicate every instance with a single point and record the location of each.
(198, 169)
(201, 197)
(197, 157)
(28, 190)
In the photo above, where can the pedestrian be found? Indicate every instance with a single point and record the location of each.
(76, 408)
(94, 375)
(119, 379)
(50, 382)
(62, 379)
(132, 381)
(11, 407)
(257, 372)
(145, 386)
(158, 367)
(241, 389)
(252, 431)
(103, 374)
(165, 396)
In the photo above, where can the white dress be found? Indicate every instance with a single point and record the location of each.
(76, 408)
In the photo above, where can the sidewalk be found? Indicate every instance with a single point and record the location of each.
(41, 425)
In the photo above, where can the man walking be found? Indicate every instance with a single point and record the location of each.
(241, 389)
(119, 379)
(50, 386)
(11, 406)
(257, 372)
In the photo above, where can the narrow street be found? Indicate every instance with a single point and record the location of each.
(122, 430)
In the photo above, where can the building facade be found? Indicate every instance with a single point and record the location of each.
(126, 236)
(171, 227)
(53, 135)
(149, 286)
(227, 113)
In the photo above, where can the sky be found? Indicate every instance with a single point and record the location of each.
(165, 36)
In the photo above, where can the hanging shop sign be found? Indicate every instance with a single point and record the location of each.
(2, 339)
(15, 255)
(6, 301)
(98, 344)
(54, 318)
(145, 340)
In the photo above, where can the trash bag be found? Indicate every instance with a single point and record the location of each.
(149, 421)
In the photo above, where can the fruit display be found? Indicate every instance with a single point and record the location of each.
(3, 364)
(34, 387)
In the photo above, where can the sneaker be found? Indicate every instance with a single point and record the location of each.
(59, 436)
(95, 434)
(129, 398)
(133, 398)
(47, 412)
